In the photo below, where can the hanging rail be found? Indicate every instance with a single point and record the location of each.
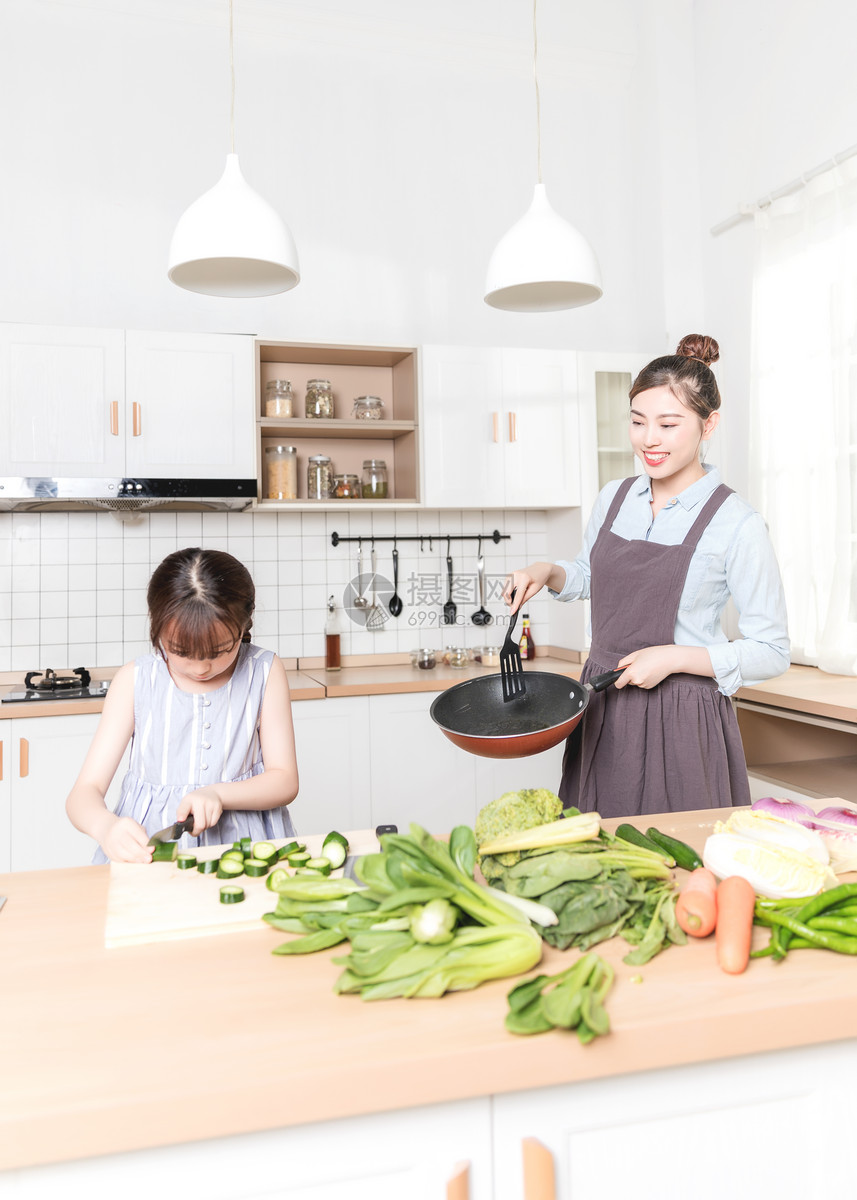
(495, 537)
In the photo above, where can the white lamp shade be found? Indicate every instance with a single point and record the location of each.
(231, 242)
(542, 264)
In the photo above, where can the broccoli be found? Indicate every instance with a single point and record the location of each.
(511, 813)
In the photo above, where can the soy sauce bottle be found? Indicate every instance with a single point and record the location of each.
(332, 649)
(526, 645)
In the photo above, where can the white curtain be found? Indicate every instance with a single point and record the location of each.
(803, 449)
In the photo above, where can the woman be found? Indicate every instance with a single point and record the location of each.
(662, 554)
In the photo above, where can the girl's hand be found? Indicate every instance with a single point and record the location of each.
(126, 841)
(527, 582)
(647, 667)
(206, 806)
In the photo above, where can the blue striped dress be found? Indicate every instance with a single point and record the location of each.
(186, 740)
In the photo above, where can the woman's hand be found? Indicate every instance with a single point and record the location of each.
(647, 667)
(126, 841)
(527, 582)
(206, 806)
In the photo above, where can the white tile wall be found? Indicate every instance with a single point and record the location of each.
(73, 585)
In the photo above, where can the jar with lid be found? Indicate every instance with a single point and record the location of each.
(281, 472)
(278, 398)
(368, 408)
(346, 487)
(319, 477)
(374, 479)
(319, 398)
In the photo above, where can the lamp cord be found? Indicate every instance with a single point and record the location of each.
(231, 85)
(538, 100)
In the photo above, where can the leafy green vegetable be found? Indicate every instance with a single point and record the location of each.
(433, 922)
(572, 999)
(511, 813)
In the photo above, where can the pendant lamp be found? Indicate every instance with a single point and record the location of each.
(232, 242)
(541, 264)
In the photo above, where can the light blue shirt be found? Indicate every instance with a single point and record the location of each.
(734, 557)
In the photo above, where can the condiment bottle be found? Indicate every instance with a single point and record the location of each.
(332, 652)
(526, 645)
(281, 471)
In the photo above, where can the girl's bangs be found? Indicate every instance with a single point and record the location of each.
(191, 634)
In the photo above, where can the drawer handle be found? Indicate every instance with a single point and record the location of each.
(495, 417)
(114, 418)
(137, 419)
(513, 427)
(539, 1180)
(458, 1186)
(24, 758)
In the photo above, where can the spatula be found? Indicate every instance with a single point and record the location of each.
(511, 667)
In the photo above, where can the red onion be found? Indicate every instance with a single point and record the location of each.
(848, 816)
(786, 810)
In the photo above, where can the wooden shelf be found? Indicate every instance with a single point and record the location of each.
(817, 777)
(282, 427)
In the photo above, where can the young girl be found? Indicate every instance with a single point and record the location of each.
(662, 554)
(209, 719)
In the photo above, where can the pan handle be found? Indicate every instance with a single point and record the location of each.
(599, 682)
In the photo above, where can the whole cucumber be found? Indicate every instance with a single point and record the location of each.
(685, 856)
(630, 833)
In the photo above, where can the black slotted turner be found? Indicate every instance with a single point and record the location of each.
(511, 668)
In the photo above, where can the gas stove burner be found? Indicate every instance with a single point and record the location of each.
(50, 681)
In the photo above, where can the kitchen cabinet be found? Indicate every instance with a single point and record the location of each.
(332, 746)
(387, 372)
(603, 382)
(42, 757)
(109, 403)
(501, 427)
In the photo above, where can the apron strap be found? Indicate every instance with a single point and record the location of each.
(710, 507)
(621, 492)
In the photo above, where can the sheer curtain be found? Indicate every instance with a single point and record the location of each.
(803, 449)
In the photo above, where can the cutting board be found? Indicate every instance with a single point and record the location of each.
(156, 902)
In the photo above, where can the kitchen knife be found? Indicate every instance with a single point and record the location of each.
(348, 868)
(172, 832)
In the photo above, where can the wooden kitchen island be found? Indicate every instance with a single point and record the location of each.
(210, 1067)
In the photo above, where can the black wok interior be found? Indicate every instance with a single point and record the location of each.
(476, 707)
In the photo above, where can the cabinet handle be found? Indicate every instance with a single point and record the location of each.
(458, 1187)
(114, 418)
(513, 427)
(495, 417)
(24, 758)
(136, 419)
(539, 1180)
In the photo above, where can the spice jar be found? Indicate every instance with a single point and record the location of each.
(278, 398)
(319, 398)
(281, 472)
(426, 659)
(319, 477)
(374, 479)
(346, 487)
(368, 408)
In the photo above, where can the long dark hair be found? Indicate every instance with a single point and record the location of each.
(687, 374)
(194, 591)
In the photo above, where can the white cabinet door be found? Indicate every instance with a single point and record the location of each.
(62, 401)
(191, 405)
(5, 795)
(463, 431)
(542, 453)
(46, 756)
(332, 743)
(417, 773)
(494, 776)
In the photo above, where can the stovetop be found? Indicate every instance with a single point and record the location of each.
(50, 685)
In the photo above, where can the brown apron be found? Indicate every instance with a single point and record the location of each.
(669, 748)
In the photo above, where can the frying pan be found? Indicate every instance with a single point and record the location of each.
(474, 717)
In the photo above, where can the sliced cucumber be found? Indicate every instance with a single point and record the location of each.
(185, 862)
(335, 847)
(165, 852)
(209, 866)
(255, 867)
(289, 848)
(299, 858)
(321, 864)
(231, 894)
(246, 845)
(266, 851)
(230, 868)
(278, 876)
(236, 855)
(311, 871)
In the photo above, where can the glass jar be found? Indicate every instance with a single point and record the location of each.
(278, 398)
(319, 477)
(374, 479)
(319, 398)
(346, 487)
(426, 660)
(457, 657)
(281, 472)
(368, 408)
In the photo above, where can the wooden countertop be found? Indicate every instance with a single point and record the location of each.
(808, 690)
(392, 678)
(106, 1051)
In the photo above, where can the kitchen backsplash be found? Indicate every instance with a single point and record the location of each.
(73, 585)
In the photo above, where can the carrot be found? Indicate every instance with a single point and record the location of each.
(736, 903)
(696, 907)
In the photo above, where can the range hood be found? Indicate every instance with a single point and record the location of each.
(46, 494)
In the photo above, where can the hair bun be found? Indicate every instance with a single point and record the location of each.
(697, 345)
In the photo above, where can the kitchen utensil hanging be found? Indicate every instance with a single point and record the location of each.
(376, 616)
(450, 612)
(360, 600)
(395, 604)
(482, 616)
